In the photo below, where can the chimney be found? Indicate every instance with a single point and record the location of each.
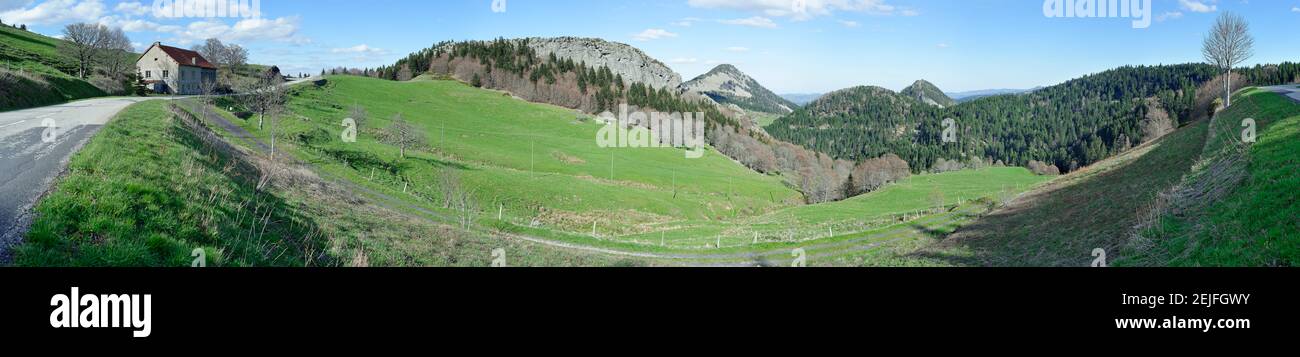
(194, 61)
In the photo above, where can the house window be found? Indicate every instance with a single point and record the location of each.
(148, 74)
(165, 74)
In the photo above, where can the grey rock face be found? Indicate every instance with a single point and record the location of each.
(622, 59)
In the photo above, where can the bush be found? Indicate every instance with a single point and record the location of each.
(1044, 169)
(109, 85)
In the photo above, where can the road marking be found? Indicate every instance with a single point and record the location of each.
(13, 123)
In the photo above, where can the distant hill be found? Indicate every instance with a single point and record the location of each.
(802, 98)
(727, 85)
(928, 93)
(1069, 125)
(962, 97)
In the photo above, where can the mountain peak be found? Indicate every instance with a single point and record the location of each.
(727, 85)
(928, 93)
(725, 68)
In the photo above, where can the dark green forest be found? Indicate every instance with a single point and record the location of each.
(1071, 125)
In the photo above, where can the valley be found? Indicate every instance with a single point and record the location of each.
(491, 153)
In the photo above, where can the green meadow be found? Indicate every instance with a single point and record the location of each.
(536, 170)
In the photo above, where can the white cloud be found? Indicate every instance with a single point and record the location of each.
(686, 22)
(737, 49)
(811, 8)
(653, 34)
(756, 21)
(362, 48)
(848, 23)
(133, 8)
(942, 45)
(1172, 15)
(361, 53)
(1198, 5)
(1295, 9)
(55, 12)
(13, 4)
(136, 25)
(283, 29)
(683, 60)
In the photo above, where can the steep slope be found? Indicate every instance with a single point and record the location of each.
(34, 72)
(727, 85)
(928, 93)
(1061, 223)
(1237, 207)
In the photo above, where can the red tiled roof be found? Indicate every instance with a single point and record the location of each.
(186, 57)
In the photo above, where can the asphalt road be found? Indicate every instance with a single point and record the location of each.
(35, 147)
(1290, 91)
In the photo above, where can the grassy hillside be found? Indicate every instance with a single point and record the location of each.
(1239, 206)
(1061, 223)
(538, 168)
(150, 188)
(33, 73)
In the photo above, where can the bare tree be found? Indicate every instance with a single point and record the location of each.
(359, 116)
(84, 42)
(405, 73)
(208, 99)
(266, 98)
(230, 58)
(404, 135)
(236, 57)
(213, 50)
(1228, 44)
(117, 59)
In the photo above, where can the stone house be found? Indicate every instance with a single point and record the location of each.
(171, 70)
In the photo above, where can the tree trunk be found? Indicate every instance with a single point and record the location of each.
(261, 118)
(1227, 90)
(403, 151)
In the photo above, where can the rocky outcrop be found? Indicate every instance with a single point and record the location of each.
(622, 59)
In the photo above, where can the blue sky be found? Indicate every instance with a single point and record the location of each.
(829, 44)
